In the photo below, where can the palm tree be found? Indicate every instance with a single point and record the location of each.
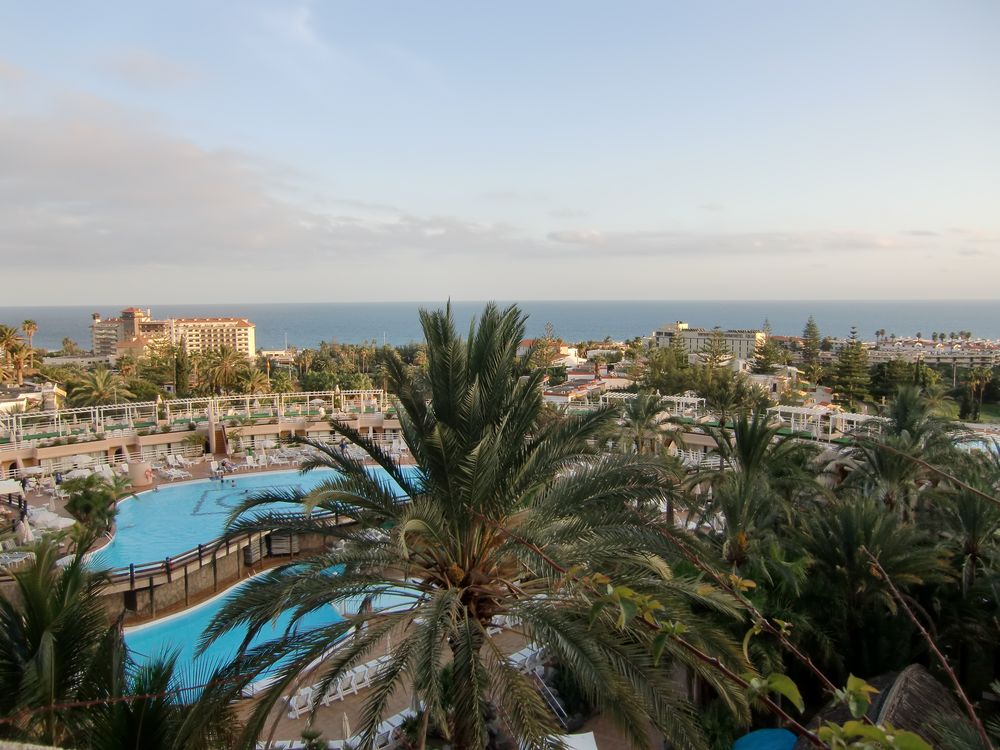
(9, 340)
(101, 386)
(30, 328)
(160, 716)
(499, 509)
(979, 378)
(282, 382)
(223, 369)
(890, 459)
(866, 633)
(755, 450)
(252, 381)
(305, 361)
(66, 678)
(19, 357)
(55, 640)
(128, 366)
(641, 426)
(92, 499)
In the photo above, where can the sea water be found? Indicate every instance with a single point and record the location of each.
(397, 323)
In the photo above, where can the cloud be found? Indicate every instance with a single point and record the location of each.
(90, 186)
(11, 73)
(296, 25)
(568, 213)
(144, 69)
(647, 243)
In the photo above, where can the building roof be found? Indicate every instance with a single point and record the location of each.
(239, 322)
(911, 699)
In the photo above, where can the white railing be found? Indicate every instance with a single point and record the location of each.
(36, 429)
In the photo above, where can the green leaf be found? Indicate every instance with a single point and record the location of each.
(628, 611)
(857, 685)
(784, 685)
(903, 740)
(859, 729)
(595, 611)
(755, 630)
(858, 706)
(659, 643)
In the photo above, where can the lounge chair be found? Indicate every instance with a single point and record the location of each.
(333, 693)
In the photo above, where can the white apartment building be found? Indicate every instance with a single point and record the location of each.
(742, 342)
(196, 335)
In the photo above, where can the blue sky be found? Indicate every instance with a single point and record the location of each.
(335, 151)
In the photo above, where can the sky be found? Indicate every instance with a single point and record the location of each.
(379, 151)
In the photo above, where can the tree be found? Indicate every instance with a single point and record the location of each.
(978, 380)
(641, 427)
(766, 355)
(92, 499)
(70, 348)
(727, 393)
(253, 381)
(9, 340)
(851, 376)
(304, 360)
(667, 370)
(715, 353)
(223, 369)
(182, 371)
(811, 343)
(867, 634)
(492, 502)
(30, 328)
(282, 382)
(66, 678)
(887, 377)
(19, 357)
(127, 366)
(54, 641)
(102, 386)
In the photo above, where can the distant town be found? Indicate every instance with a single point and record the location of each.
(143, 357)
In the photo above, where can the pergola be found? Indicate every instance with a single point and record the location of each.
(28, 428)
(678, 405)
(823, 423)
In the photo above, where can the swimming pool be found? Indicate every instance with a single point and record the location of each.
(153, 525)
(181, 633)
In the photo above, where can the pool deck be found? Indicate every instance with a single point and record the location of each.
(199, 470)
(330, 719)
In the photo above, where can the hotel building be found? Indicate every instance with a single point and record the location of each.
(135, 329)
(742, 342)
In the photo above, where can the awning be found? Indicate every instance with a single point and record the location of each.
(10, 487)
(584, 741)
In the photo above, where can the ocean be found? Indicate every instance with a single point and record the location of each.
(307, 324)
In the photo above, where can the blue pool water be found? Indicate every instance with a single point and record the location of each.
(154, 525)
(181, 633)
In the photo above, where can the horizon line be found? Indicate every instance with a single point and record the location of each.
(882, 300)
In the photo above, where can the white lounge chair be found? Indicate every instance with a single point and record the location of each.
(333, 693)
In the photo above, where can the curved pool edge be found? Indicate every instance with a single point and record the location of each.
(108, 539)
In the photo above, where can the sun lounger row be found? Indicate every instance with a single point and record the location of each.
(529, 658)
(385, 736)
(348, 684)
